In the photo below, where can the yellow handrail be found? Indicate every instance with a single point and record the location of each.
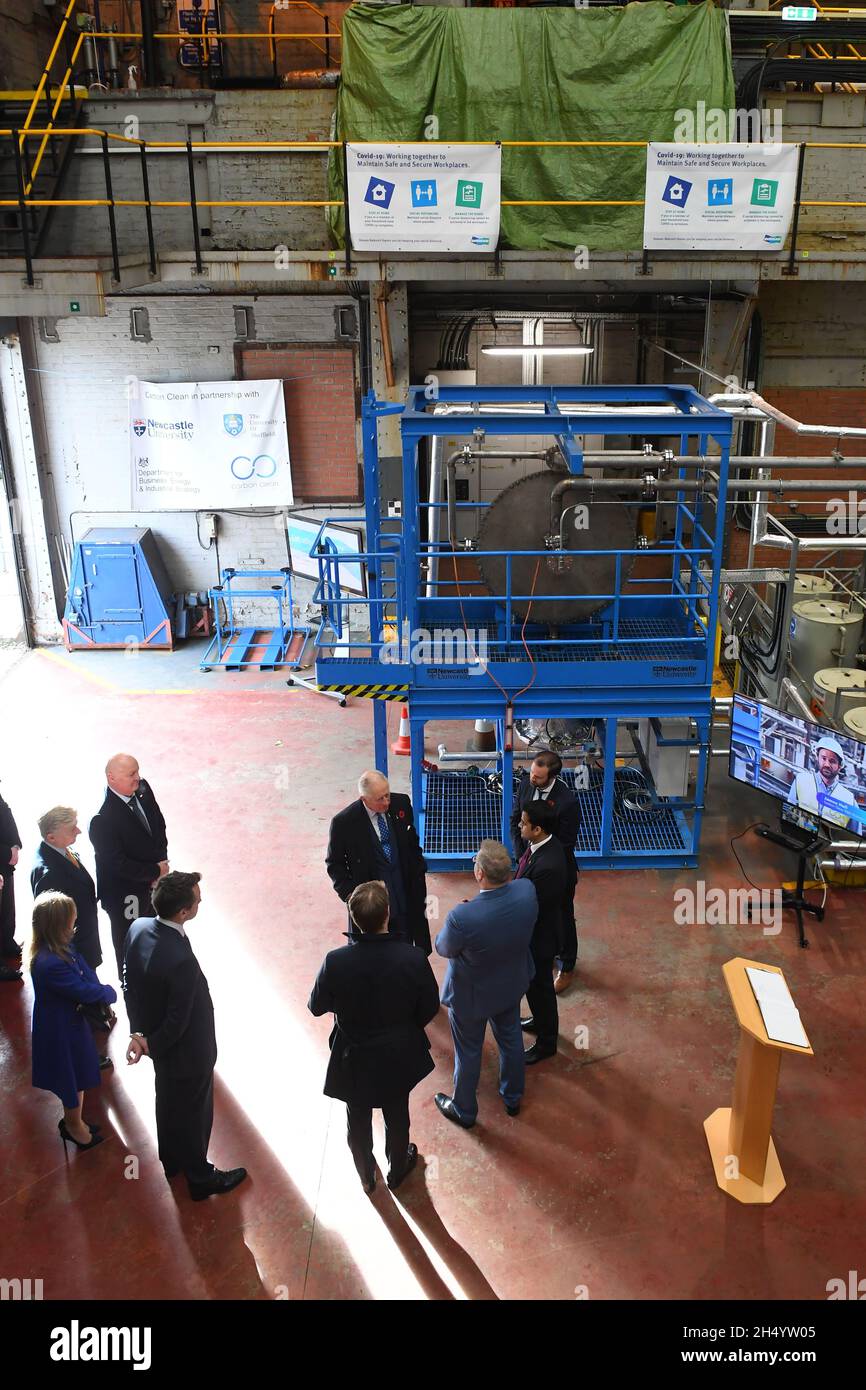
(47, 69)
(272, 23)
(45, 138)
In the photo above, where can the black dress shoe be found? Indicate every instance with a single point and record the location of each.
(512, 1109)
(537, 1054)
(218, 1183)
(170, 1172)
(411, 1161)
(370, 1185)
(7, 974)
(105, 1064)
(528, 1025)
(445, 1105)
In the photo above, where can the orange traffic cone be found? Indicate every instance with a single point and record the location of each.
(403, 746)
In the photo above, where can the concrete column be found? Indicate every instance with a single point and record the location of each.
(398, 325)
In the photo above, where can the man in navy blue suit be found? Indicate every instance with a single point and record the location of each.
(486, 942)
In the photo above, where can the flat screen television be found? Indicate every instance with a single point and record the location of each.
(816, 773)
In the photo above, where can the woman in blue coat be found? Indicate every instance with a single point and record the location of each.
(65, 1059)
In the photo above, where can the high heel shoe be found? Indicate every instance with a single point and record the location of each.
(68, 1139)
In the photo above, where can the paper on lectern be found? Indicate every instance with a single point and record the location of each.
(778, 1010)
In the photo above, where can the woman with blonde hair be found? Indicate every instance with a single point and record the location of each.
(65, 1059)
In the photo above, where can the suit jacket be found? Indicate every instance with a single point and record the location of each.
(9, 836)
(52, 872)
(382, 993)
(65, 1060)
(352, 858)
(127, 857)
(168, 1000)
(564, 801)
(486, 942)
(548, 874)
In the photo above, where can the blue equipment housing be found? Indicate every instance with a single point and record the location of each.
(646, 652)
(119, 592)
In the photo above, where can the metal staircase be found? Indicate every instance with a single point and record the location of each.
(42, 160)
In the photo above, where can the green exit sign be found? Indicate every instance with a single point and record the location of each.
(74, 306)
(799, 13)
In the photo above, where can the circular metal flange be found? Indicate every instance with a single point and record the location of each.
(520, 519)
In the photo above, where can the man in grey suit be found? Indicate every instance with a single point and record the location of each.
(486, 942)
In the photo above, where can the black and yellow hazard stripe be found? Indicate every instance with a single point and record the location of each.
(371, 692)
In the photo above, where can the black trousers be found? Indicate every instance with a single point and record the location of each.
(121, 914)
(184, 1120)
(568, 946)
(541, 998)
(7, 910)
(359, 1133)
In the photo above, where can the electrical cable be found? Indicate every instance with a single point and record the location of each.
(757, 886)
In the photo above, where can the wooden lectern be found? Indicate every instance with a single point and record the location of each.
(742, 1132)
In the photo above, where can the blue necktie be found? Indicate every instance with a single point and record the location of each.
(385, 832)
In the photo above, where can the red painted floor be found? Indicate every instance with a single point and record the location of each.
(602, 1187)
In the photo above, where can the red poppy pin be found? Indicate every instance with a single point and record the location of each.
(401, 815)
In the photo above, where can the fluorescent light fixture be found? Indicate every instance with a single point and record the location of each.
(538, 351)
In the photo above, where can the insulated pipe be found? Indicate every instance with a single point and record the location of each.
(846, 867)
(795, 426)
(793, 694)
(434, 515)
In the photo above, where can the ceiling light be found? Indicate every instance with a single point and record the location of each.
(538, 351)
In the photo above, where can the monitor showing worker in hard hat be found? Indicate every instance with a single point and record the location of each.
(819, 774)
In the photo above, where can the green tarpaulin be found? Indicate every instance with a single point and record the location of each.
(536, 74)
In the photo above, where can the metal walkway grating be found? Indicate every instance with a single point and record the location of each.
(460, 812)
(639, 639)
(638, 831)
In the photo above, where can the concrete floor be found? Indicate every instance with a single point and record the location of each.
(602, 1187)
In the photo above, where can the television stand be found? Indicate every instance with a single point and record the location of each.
(795, 900)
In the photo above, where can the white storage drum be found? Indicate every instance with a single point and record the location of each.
(835, 690)
(855, 723)
(814, 585)
(823, 632)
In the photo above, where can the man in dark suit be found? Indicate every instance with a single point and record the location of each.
(486, 943)
(383, 994)
(171, 1014)
(543, 863)
(10, 845)
(374, 839)
(57, 868)
(543, 783)
(128, 836)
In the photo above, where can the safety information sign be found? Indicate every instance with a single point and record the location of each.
(208, 444)
(734, 197)
(423, 197)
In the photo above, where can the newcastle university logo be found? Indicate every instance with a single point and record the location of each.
(234, 424)
(139, 427)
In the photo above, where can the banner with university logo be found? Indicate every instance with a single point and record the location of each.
(423, 197)
(209, 444)
(726, 197)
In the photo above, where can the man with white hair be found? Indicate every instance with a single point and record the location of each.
(821, 792)
(128, 836)
(375, 839)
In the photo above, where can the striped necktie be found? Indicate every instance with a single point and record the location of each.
(73, 858)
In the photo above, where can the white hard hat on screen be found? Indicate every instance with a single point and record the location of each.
(832, 745)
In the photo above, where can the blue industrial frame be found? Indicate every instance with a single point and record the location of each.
(643, 655)
(230, 644)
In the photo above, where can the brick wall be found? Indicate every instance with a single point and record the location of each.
(814, 371)
(78, 392)
(321, 407)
